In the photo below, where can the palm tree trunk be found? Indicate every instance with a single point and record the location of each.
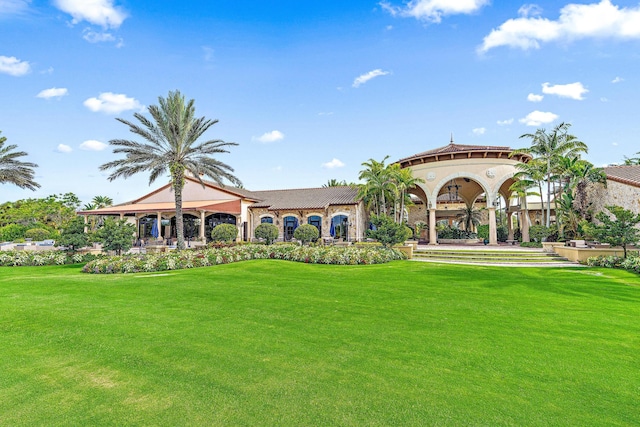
(178, 185)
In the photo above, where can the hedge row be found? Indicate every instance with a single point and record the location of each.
(175, 260)
(631, 263)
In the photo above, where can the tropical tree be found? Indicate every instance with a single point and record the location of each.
(100, 202)
(403, 181)
(334, 183)
(532, 173)
(377, 186)
(14, 171)
(470, 217)
(632, 160)
(172, 145)
(549, 147)
(619, 230)
(116, 235)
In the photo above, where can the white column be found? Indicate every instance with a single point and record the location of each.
(86, 223)
(159, 219)
(524, 225)
(202, 227)
(493, 229)
(433, 235)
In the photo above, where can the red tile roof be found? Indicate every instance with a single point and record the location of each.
(306, 198)
(625, 174)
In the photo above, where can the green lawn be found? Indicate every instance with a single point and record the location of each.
(278, 343)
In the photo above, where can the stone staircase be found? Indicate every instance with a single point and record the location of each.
(525, 257)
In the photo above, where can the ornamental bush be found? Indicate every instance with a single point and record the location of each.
(307, 233)
(387, 231)
(138, 263)
(224, 233)
(266, 231)
(37, 234)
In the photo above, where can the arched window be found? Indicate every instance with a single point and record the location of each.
(290, 223)
(340, 227)
(317, 221)
(213, 220)
(266, 220)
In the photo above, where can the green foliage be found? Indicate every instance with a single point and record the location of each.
(116, 235)
(11, 232)
(620, 230)
(387, 231)
(73, 235)
(40, 258)
(135, 263)
(14, 171)
(483, 231)
(37, 234)
(306, 233)
(502, 233)
(266, 231)
(449, 232)
(224, 233)
(540, 232)
(52, 212)
(531, 244)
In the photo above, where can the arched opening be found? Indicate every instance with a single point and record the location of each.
(266, 220)
(340, 227)
(290, 223)
(316, 221)
(191, 227)
(213, 220)
(146, 227)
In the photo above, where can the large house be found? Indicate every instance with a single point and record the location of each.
(453, 176)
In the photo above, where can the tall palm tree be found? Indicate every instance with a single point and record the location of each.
(469, 216)
(403, 181)
(377, 185)
(334, 183)
(15, 171)
(171, 146)
(549, 147)
(532, 172)
(102, 201)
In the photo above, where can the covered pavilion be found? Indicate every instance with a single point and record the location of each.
(465, 172)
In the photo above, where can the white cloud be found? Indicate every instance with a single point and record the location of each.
(11, 7)
(479, 131)
(617, 80)
(504, 122)
(63, 148)
(434, 10)
(273, 136)
(97, 12)
(54, 92)
(571, 90)
(527, 10)
(208, 53)
(576, 21)
(112, 103)
(360, 80)
(93, 145)
(94, 37)
(615, 144)
(327, 113)
(277, 169)
(13, 66)
(536, 118)
(334, 163)
(535, 98)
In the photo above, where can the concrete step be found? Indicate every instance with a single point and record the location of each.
(512, 257)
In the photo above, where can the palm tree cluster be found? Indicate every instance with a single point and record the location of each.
(15, 171)
(632, 160)
(98, 202)
(557, 163)
(385, 190)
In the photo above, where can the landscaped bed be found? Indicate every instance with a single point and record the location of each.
(270, 342)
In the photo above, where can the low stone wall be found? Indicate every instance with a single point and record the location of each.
(459, 241)
(581, 254)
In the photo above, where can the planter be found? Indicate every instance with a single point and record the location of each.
(405, 249)
(459, 241)
(549, 246)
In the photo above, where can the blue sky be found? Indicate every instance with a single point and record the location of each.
(310, 90)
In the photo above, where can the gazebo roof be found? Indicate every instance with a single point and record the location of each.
(453, 151)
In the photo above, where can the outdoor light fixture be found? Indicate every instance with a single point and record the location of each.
(453, 186)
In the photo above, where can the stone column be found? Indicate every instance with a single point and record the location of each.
(524, 227)
(86, 224)
(509, 225)
(493, 229)
(433, 235)
(202, 227)
(159, 219)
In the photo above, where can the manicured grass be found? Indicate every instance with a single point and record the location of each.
(278, 343)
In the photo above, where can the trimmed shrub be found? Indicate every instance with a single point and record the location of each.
(224, 233)
(37, 234)
(306, 233)
(266, 231)
(387, 231)
(449, 232)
